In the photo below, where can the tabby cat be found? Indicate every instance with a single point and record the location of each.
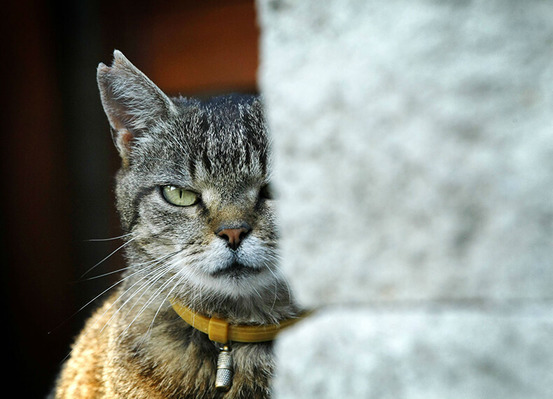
(199, 221)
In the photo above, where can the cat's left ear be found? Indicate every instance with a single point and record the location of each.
(131, 101)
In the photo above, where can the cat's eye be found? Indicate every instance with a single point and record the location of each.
(265, 192)
(179, 196)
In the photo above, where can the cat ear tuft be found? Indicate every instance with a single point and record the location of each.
(131, 101)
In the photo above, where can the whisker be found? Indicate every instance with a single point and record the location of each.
(139, 265)
(105, 274)
(151, 282)
(94, 299)
(108, 239)
(165, 300)
(86, 305)
(148, 277)
(140, 281)
(283, 280)
(152, 278)
(100, 294)
(110, 255)
(145, 306)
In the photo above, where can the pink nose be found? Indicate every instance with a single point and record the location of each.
(233, 236)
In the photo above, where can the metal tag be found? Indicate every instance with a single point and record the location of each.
(225, 371)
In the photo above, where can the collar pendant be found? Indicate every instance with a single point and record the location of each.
(225, 370)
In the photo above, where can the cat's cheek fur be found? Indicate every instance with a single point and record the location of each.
(257, 254)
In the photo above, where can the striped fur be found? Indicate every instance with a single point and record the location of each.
(135, 346)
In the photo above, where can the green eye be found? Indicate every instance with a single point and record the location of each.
(179, 196)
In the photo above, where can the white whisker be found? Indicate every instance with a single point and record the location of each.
(108, 239)
(145, 306)
(165, 300)
(107, 274)
(107, 257)
(143, 285)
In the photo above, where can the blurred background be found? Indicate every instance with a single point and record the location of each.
(57, 158)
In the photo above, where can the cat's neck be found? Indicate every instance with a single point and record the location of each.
(267, 308)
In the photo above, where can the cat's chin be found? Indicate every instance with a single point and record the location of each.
(234, 281)
(236, 270)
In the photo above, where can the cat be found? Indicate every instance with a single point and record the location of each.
(195, 204)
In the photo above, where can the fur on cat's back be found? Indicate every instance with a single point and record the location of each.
(191, 171)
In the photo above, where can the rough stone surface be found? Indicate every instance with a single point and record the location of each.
(418, 354)
(414, 147)
(414, 169)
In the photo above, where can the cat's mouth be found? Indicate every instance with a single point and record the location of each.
(236, 270)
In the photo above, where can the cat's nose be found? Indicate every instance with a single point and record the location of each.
(234, 236)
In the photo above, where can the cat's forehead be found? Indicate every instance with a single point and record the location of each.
(223, 121)
(224, 137)
(220, 143)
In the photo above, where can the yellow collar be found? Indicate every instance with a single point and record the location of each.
(222, 332)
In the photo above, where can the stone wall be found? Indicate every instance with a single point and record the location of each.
(414, 167)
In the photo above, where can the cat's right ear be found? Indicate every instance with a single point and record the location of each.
(131, 101)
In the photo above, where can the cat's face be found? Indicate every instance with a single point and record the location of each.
(193, 190)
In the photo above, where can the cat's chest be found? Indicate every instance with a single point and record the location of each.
(184, 365)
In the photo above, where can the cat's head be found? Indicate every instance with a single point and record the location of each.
(193, 190)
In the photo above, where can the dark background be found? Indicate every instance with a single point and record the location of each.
(57, 158)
